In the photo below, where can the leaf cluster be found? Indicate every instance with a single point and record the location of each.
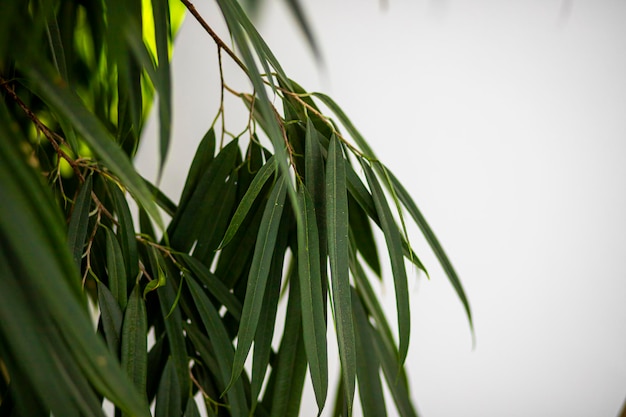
(183, 293)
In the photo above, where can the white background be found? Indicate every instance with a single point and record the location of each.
(507, 122)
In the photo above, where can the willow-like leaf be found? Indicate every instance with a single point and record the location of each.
(201, 162)
(161, 12)
(393, 237)
(337, 220)
(222, 346)
(126, 232)
(259, 181)
(168, 400)
(397, 383)
(432, 240)
(313, 320)
(134, 340)
(56, 93)
(111, 317)
(368, 366)
(257, 279)
(214, 285)
(173, 322)
(361, 227)
(79, 220)
(284, 390)
(115, 268)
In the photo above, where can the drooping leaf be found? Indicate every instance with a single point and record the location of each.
(313, 319)
(111, 317)
(222, 347)
(134, 340)
(168, 399)
(337, 219)
(393, 237)
(115, 269)
(79, 220)
(126, 233)
(257, 279)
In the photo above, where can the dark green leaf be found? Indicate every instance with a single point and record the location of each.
(134, 340)
(257, 279)
(168, 400)
(126, 233)
(393, 237)
(77, 228)
(313, 319)
(337, 219)
(115, 268)
(111, 317)
(201, 162)
(222, 347)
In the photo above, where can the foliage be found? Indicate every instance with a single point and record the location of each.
(255, 223)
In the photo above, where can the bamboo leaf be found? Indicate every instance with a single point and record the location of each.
(313, 320)
(134, 340)
(222, 347)
(115, 269)
(259, 181)
(257, 279)
(79, 221)
(337, 220)
(393, 238)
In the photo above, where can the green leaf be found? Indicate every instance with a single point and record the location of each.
(361, 227)
(337, 219)
(313, 320)
(213, 284)
(222, 346)
(161, 12)
(56, 93)
(134, 340)
(201, 162)
(393, 237)
(368, 366)
(115, 268)
(287, 379)
(126, 232)
(432, 240)
(111, 317)
(79, 221)
(257, 279)
(259, 181)
(168, 400)
(173, 322)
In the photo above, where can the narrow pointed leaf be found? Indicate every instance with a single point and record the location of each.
(259, 271)
(393, 237)
(168, 400)
(57, 94)
(111, 316)
(134, 340)
(259, 181)
(79, 221)
(115, 268)
(222, 347)
(201, 162)
(432, 240)
(313, 320)
(337, 223)
(126, 232)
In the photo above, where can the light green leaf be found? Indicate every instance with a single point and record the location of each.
(313, 320)
(337, 220)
